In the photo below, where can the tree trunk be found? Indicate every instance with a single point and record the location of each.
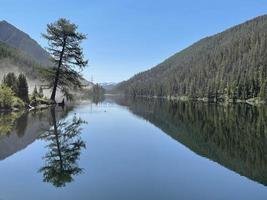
(53, 95)
(53, 114)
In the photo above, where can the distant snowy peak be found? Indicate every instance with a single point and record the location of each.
(108, 86)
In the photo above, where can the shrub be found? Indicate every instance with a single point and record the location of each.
(6, 97)
(8, 100)
(17, 103)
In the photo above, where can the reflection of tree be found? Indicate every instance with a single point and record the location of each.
(64, 145)
(21, 124)
(98, 99)
(7, 122)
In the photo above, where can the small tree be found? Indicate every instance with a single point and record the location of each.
(22, 88)
(6, 97)
(64, 47)
(35, 93)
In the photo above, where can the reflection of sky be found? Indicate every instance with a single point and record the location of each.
(126, 158)
(126, 36)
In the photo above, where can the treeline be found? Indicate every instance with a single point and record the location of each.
(229, 65)
(14, 92)
(14, 56)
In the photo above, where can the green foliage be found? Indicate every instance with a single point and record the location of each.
(35, 93)
(37, 98)
(26, 63)
(17, 103)
(22, 88)
(18, 85)
(8, 100)
(6, 97)
(10, 80)
(232, 64)
(7, 122)
(64, 46)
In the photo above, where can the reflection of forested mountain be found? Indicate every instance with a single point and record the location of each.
(233, 136)
(18, 130)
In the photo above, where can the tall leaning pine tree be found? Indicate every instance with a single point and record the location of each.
(64, 46)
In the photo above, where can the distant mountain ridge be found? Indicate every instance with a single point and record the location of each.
(15, 38)
(231, 64)
(108, 86)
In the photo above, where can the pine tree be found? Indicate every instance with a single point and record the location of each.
(64, 47)
(35, 92)
(22, 88)
(10, 80)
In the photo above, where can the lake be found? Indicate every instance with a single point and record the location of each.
(135, 149)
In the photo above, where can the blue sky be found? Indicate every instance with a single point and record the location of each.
(129, 36)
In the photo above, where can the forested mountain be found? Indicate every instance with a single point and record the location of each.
(14, 37)
(228, 65)
(14, 60)
(21, 54)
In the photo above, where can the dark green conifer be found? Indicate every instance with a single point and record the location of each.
(22, 88)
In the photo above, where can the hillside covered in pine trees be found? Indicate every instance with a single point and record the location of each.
(15, 60)
(16, 38)
(229, 65)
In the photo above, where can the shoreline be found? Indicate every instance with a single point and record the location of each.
(252, 101)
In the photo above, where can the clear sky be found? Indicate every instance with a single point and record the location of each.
(129, 36)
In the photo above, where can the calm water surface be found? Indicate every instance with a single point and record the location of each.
(135, 150)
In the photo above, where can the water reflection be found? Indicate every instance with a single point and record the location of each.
(234, 136)
(19, 129)
(97, 99)
(7, 122)
(64, 145)
(21, 124)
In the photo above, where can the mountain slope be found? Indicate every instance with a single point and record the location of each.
(14, 60)
(230, 64)
(14, 37)
(21, 54)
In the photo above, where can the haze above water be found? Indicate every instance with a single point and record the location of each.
(136, 150)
